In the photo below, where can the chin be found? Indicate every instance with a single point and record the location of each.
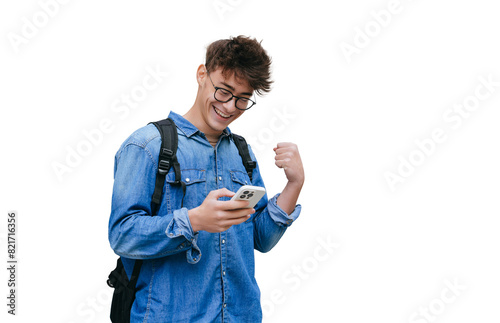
(218, 121)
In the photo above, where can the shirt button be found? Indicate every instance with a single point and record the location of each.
(220, 178)
(187, 180)
(223, 273)
(224, 305)
(223, 241)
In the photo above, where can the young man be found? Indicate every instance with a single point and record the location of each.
(198, 251)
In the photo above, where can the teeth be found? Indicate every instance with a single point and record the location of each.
(220, 113)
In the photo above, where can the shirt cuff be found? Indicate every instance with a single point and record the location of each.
(279, 216)
(181, 226)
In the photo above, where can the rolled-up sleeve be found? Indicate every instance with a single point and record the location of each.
(180, 226)
(279, 216)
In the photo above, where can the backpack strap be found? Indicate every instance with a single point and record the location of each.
(166, 160)
(242, 146)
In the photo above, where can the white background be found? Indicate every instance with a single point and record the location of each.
(354, 115)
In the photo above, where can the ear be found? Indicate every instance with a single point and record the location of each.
(201, 74)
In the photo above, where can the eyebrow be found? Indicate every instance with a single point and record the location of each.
(233, 89)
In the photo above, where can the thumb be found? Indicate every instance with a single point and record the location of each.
(221, 193)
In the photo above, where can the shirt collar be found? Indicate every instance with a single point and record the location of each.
(188, 128)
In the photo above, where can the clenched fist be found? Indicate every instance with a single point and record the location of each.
(288, 158)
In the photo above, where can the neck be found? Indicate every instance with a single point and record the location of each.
(194, 117)
(213, 142)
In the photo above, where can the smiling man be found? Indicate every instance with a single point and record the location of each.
(198, 251)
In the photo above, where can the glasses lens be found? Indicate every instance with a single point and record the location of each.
(243, 103)
(223, 95)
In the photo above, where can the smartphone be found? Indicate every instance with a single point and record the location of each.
(252, 194)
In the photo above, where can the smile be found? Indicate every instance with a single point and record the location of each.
(219, 112)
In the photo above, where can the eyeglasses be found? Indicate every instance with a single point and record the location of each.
(223, 95)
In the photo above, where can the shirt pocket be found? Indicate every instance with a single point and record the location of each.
(238, 179)
(196, 188)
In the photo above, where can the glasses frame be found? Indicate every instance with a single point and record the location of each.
(232, 96)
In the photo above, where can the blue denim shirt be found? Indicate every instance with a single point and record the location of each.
(189, 276)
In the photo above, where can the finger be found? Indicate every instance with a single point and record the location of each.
(281, 163)
(284, 156)
(284, 144)
(286, 148)
(279, 150)
(229, 223)
(234, 205)
(238, 213)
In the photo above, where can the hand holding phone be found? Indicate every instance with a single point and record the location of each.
(252, 194)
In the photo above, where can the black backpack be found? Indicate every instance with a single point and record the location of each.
(125, 288)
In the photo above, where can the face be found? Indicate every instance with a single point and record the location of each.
(215, 116)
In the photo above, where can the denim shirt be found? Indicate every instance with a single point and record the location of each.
(189, 276)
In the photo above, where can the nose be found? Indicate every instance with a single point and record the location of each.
(230, 106)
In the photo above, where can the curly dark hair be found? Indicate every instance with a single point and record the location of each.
(244, 57)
